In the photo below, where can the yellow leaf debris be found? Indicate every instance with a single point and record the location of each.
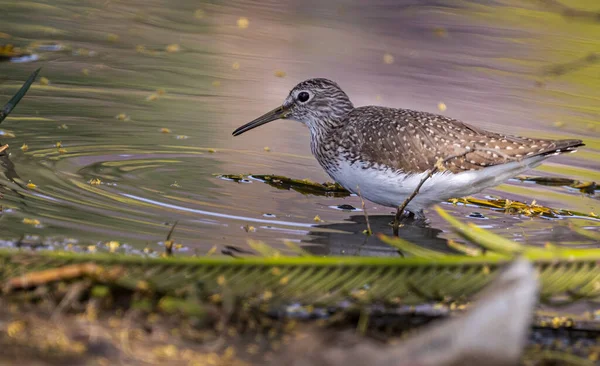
(122, 117)
(14, 328)
(280, 73)
(175, 184)
(221, 280)
(29, 221)
(442, 106)
(249, 228)
(62, 151)
(95, 182)
(317, 219)
(440, 32)
(243, 22)
(267, 149)
(235, 66)
(199, 14)
(166, 352)
(212, 151)
(152, 97)
(44, 80)
(113, 246)
(215, 298)
(252, 349)
(111, 37)
(92, 248)
(58, 144)
(24, 147)
(172, 48)
(229, 352)
(388, 59)
(284, 280)
(211, 251)
(165, 130)
(31, 185)
(63, 127)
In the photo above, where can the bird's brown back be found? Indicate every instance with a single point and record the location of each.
(412, 141)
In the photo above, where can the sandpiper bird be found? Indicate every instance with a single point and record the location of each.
(384, 153)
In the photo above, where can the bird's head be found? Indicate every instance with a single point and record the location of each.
(318, 103)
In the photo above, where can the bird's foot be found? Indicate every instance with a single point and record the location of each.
(400, 218)
(408, 217)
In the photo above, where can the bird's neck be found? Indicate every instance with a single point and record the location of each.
(321, 134)
(323, 125)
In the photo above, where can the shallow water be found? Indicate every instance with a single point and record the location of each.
(120, 72)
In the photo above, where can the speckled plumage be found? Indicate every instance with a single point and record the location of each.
(384, 152)
(412, 141)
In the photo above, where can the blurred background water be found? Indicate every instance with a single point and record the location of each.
(142, 97)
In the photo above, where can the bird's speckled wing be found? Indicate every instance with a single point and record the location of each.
(413, 141)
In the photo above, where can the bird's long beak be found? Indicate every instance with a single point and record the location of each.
(275, 114)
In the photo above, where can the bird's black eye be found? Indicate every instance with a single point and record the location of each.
(303, 96)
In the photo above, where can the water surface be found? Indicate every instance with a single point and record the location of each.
(143, 96)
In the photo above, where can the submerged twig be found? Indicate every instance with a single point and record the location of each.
(168, 242)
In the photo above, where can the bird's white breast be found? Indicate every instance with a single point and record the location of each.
(389, 187)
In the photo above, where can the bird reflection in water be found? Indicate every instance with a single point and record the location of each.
(348, 239)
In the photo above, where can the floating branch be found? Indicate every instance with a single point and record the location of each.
(304, 186)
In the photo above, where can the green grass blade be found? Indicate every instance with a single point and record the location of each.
(12, 103)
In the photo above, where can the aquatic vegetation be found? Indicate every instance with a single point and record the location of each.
(9, 52)
(306, 186)
(329, 279)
